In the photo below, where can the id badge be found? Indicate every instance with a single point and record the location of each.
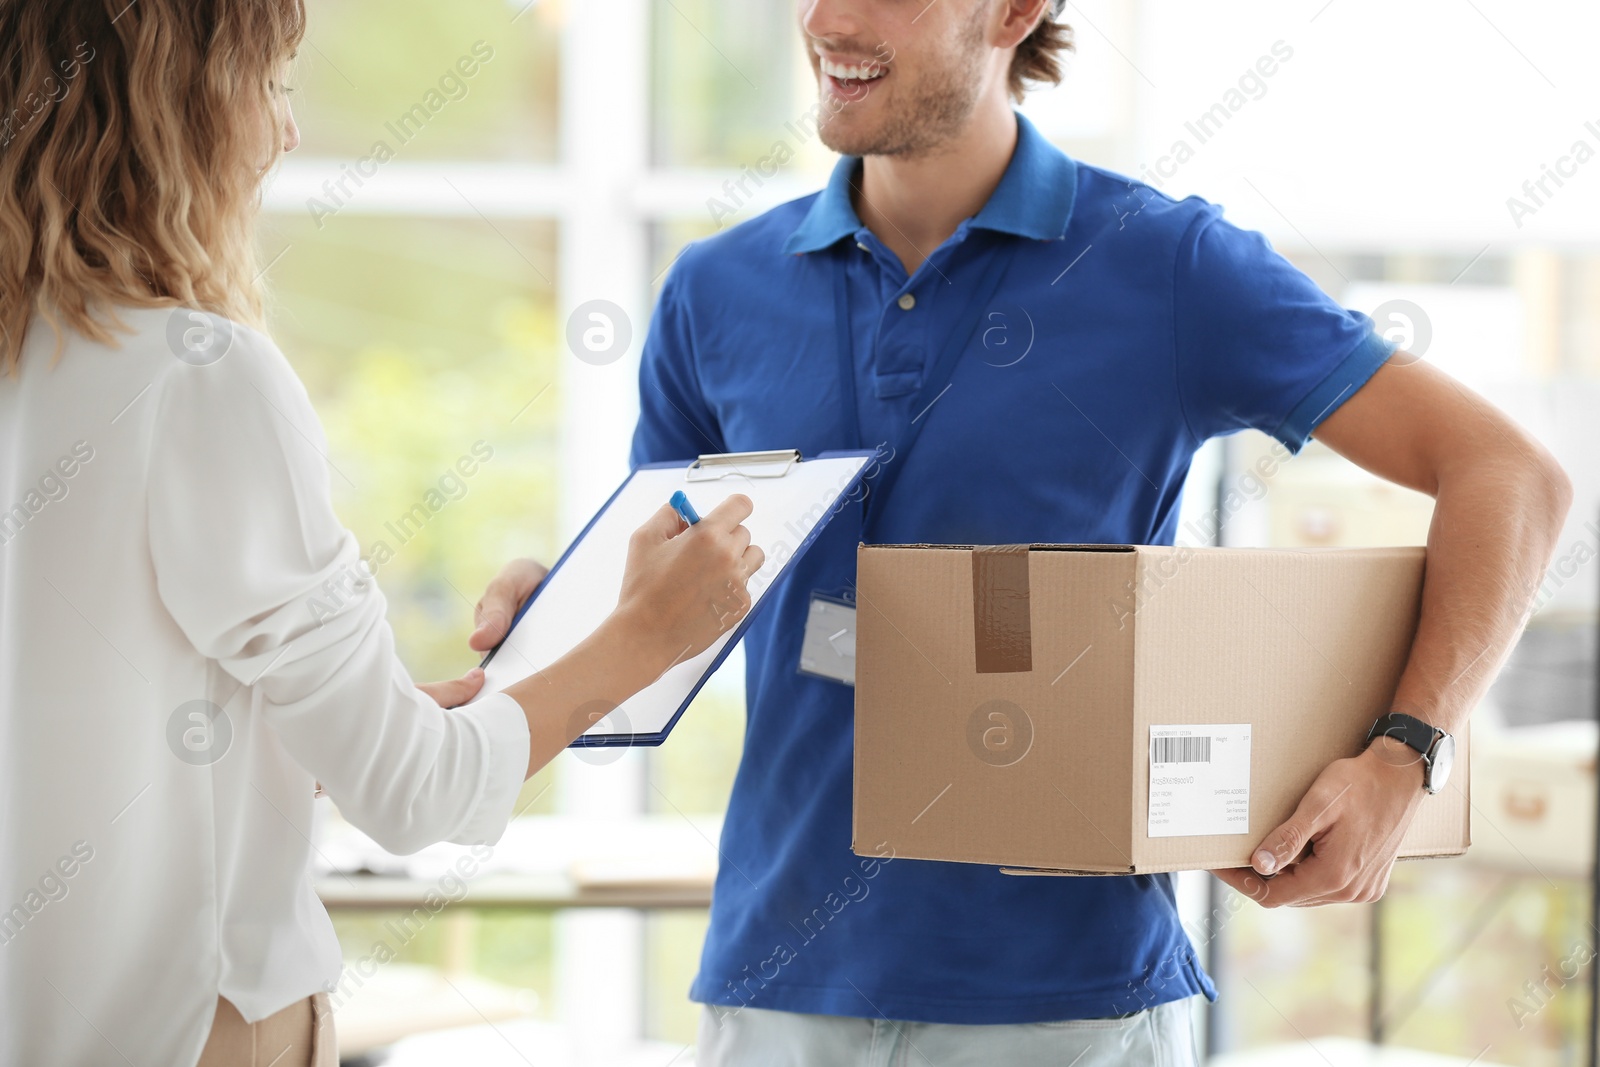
(829, 648)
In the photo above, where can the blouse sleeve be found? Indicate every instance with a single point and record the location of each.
(255, 568)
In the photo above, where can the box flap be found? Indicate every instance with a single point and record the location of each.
(1061, 872)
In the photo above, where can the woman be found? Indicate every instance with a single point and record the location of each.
(172, 681)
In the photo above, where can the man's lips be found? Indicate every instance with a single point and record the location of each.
(851, 90)
(849, 77)
(847, 67)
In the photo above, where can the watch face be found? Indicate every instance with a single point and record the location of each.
(1443, 758)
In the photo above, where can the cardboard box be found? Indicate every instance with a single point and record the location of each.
(1010, 700)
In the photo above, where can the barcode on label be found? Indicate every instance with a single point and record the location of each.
(1180, 750)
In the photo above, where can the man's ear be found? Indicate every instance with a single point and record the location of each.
(1017, 19)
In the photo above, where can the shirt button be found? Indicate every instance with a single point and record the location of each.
(906, 301)
(862, 245)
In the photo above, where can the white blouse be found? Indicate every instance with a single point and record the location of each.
(185, 648)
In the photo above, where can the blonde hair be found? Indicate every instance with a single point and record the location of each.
(130, 157)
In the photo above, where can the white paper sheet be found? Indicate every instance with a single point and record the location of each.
(583, 590)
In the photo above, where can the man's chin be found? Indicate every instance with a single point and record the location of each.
(849, 139)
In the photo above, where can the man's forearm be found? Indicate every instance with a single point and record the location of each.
(1495, 526)
(1500, 499)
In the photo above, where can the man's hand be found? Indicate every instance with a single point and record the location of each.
(1499, 502)
(506, 593)
(1350, 821)
(492, 615)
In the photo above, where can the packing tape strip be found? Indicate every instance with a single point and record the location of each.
(1002, 627)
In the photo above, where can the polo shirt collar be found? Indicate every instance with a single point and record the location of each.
(1034, 198)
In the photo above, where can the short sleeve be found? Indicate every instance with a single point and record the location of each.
(675, 421)
(1258, 345)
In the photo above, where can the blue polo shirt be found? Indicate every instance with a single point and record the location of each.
(1129, 328)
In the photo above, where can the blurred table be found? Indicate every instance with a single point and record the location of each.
(530, 892)
(1341, 1052)
(543, 863)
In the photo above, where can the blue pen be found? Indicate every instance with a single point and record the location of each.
(680, 504)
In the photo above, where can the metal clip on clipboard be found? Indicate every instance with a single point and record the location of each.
(773, 464)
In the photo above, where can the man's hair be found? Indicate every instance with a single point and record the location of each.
(1038, 58)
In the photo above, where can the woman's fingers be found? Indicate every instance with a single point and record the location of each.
(664, 525)
(741, 539)
(730, 513)
(687, 585)
(454, 693)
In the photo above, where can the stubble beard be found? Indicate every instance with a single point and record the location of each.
(924, 116)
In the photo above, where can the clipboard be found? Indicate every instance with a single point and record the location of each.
(794, 499)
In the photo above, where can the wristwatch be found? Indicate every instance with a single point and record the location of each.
(1437, 748)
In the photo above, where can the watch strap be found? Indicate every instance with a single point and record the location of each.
(1407, 729)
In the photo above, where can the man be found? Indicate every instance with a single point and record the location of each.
(824, 324)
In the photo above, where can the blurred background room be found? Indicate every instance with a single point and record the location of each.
(1421, 161)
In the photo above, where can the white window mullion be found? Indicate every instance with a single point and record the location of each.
(603, 248)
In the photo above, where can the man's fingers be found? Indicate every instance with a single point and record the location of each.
(754, 559)
(730, 513)
(492, 624)
(1299, 884)
(456, 692)
(1303, 883)
(493, 614)
(1284, 845)
(1246, 881)
(488, 634)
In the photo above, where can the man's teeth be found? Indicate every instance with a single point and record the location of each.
(866, 72)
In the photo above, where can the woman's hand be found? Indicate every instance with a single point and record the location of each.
(453, 694)
(684, 586)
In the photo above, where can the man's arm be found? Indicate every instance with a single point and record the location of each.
(1500, 500)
